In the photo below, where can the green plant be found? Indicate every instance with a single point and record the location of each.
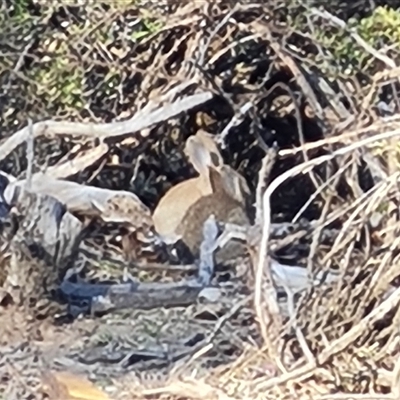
(381, 28)
(58, 80)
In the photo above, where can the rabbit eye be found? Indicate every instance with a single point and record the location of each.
(215, 159)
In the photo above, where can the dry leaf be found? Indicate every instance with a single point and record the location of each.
(65, 385)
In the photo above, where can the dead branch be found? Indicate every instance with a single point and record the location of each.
(145, 296)
(102, 131)
(110, 205)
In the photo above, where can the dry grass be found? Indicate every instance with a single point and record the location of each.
(338, 166)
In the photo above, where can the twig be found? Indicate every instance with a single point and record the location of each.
(261, 267)
(19, 63)
(293, 320)
(361, 207)
(206, 267)
(337, 345)
(235, 120)
(299, 124)
(368, 48)
(71, 167)
(29, 155)
(205, 344)
(342, 24)
(115, 129)
(301, 80)
(138, 162)
(232, 45)
(204, 48)
(396, 380)
(323, 186)
(332, 140)
(265, 170)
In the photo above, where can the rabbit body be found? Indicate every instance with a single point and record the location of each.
(174, 205)
(218, 190)
(224, 208)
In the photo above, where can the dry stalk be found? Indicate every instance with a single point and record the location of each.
(351, 136)
(190, 389)
(360, 41)
(396, 380)
(268, 316)
(265, 170)
(350, 220)
(337, 345)
(316, 237)
(320, 189)
(29, 155)
(69, 168)
(355, 396)
(140, 121)
(383, 77)
(224, 21)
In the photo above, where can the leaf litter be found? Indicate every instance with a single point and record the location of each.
(211, 66)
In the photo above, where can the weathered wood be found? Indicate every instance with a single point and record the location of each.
(42, 249)
(147, 296)
(117, 206)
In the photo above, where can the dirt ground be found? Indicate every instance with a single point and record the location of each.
(98, 105)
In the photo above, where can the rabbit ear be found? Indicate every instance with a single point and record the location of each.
(203, 152)
(234, 183)
(198, 155)
(209, 143)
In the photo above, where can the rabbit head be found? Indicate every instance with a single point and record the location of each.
(202, 152)
(204, 155)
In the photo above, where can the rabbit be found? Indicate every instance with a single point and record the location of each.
(173, 206)
(218, 190)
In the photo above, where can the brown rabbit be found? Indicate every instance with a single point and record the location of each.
(173, 206)
(218, 190)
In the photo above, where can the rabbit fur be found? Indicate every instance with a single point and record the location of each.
(218, 190)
